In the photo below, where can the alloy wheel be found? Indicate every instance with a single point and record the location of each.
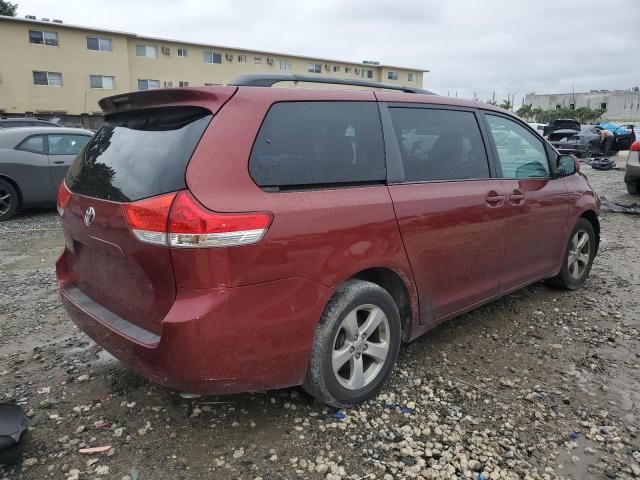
(588, 150)
(360, 347)
(579, 254)
(5, 200)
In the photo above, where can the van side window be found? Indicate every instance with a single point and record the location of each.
(520, 152)
(313, 144)
(439, 144)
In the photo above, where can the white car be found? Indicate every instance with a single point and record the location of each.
(538, 127)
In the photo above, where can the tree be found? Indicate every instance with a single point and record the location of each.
(8, 9)
(525, 111)
(506, 104)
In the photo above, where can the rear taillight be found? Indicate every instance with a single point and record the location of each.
(64, 195)
(193, 225)
(179, 220)
(635, 146)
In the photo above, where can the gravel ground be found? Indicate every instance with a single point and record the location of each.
(540, 384)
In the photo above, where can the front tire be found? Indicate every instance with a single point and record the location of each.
(355, 345)
(8, 200)
(578, 257)
(632, 187)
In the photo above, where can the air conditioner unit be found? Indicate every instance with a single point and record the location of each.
(270, 60)
(168, 83)
(166, 50)
(55, 20)
(45, 19)
(30, 17)
(229, 57)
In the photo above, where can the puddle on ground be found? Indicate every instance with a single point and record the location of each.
(574, 463)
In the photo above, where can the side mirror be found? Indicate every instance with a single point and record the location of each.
(567, 165)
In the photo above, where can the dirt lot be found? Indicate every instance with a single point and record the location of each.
(541, 384)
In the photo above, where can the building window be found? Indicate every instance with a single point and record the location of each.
(182, 52)
(347, 69)
(257, 60)
(558, 106)
(603, 106)
(392, 75)
(40, 37)
(284, 65)
(149, 51)
(411, 77)
(211, 57)
(336, 68)
(52, 79)
(99, 44)
(572, 106)
(183, 84)
(315, 68)
(105, 82)
(242, 59)
(367, 73)
(148, 84)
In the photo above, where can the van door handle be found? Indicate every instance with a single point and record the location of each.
(516, 197)
(58, 162)
(494, 199)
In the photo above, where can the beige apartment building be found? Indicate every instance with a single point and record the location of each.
(48, 67)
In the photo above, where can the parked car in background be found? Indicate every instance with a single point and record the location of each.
(353, 220)
(625, 136)
(33, 162)
(538, 127)
(583, 142)
(561, 124)
(26, 122)
(632, 169)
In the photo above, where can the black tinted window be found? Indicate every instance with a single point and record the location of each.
(139, 154)
(319, 143)
(439, 144)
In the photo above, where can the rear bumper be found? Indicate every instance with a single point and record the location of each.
(248, 338)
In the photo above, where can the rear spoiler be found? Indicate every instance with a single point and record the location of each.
(165, 97)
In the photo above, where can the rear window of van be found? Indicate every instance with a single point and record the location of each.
(139, 154)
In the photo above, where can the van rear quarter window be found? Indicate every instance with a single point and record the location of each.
(139, 154)
(312, 144)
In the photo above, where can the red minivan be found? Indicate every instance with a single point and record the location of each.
(243, 238)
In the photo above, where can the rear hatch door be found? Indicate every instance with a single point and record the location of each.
(137, 155)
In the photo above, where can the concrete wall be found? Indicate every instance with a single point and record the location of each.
(620, 105)
(71, 58)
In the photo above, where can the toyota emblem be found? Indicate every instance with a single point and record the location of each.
(89, 216)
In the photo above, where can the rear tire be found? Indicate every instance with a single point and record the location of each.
(578, 257)
(8, 200)
(355, 345)
(632, 188)
(588, 151)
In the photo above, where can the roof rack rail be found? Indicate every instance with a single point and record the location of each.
(268, 80)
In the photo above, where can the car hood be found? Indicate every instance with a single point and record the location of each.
(565, 124)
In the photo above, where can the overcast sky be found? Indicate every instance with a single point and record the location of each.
(506, 46)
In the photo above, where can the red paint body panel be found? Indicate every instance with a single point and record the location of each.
(538, 229)
(455, 241)
(222, 340)
(243, 318)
